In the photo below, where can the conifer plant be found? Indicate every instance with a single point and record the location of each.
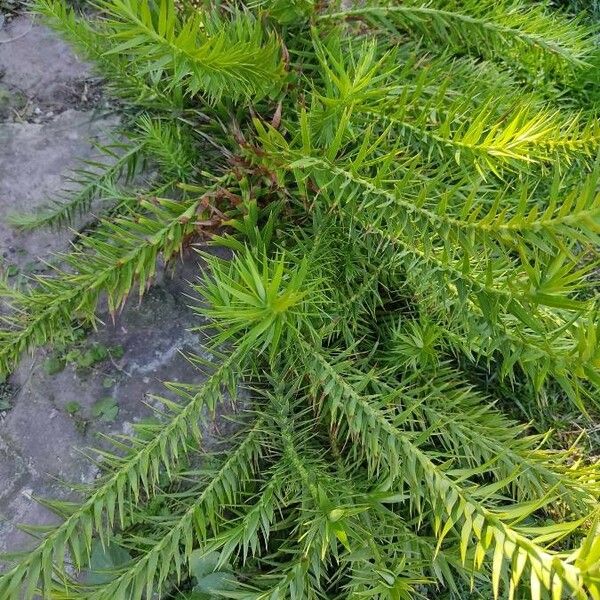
(410, 194)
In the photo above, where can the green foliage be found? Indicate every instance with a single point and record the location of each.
(410, 194)
(589, 7)
(507, 29)
(200, 53)
(104, 559)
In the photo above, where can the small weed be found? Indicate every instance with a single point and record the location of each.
(117, 352)
(6, 393)
(53, 365)
(12, 271)
(108, 382)
(105, 409)
(82, 357)
(72, 407)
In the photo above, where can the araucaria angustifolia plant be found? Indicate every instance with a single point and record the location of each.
(410, 194)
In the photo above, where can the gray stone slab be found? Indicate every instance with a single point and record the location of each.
(39, 64)
(50, 115)
(46, 129)
(35, 161)
(43, 446)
